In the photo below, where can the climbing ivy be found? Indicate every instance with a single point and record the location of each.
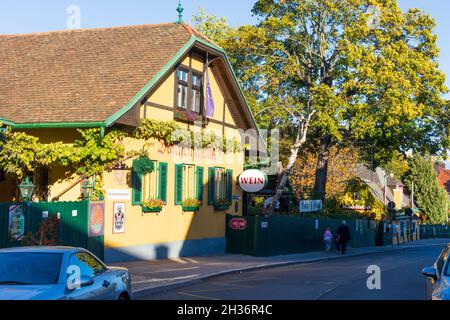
(91, 155)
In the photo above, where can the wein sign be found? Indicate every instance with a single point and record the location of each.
(252, 180)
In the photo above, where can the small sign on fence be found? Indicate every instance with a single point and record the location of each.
(238, 224)
(310, 206)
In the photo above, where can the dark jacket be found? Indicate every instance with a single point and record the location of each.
(344, 233)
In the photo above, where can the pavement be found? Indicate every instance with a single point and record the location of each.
(154, 277)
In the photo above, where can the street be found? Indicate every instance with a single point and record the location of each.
(341, 279)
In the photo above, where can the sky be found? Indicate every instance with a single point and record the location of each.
(28, 16)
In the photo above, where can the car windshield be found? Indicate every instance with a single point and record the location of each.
(24, 268)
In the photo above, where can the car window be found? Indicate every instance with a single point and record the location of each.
(441, 260)
(23, 268)
(89, 266)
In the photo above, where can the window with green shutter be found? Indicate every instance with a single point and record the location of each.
(151, 186)
(136, 182)
(162, 190)
(229, 185)
(188, 183)
(199, 187)
(178, 184)
(211, 185)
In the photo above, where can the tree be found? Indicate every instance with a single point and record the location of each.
(328, 71)
(431, 198)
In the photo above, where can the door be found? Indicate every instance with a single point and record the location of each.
(89, 266)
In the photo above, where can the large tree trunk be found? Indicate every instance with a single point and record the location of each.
(320, 183)
(284, 180)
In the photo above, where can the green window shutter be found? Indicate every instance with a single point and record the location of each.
(199, 187)
(229, 185)
(211, 185)
(136, 182)
(162, 183)
(178, 184)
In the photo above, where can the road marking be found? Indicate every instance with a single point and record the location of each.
(165, 279)
(170, 270)
(196, 296)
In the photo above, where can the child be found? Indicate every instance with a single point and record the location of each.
(327, 238)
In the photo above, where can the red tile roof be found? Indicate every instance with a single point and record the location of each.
(82, 75)
(444, 178)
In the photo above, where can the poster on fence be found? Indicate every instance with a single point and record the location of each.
(16, 222)
(96, 219)
(119, 217)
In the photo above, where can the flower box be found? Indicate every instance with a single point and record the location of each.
(221, 207)
(148, 209)
(190, 209)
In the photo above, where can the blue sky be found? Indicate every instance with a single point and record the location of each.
(27, 16)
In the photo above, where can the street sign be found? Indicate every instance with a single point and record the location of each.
(238, 224)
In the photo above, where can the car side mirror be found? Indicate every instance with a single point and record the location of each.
(430, 272)
(86, 281)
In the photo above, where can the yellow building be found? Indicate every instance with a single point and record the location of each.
(57, 82)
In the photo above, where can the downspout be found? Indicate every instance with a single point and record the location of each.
(102, 132)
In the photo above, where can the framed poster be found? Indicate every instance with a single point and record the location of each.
(16, 228)
(119, 217)
(96, 226)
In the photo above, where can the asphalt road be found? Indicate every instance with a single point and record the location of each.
(341, 279)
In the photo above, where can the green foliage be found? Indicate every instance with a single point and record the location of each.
(159, 130)
(398, 166)
(143, 165)
(191, 202)
(430, 197)
(356, 194)
(383, 81)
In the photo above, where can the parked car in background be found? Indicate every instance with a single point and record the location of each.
(60, 273)
(438, 277)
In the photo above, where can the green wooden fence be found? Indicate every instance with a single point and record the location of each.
(280, 235)
(434, 231)
(73, 230)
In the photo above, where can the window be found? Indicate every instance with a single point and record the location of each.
(89, 266)
(182, 88)
(188, 183)
(441, 261)
(30, 268)
(150, 186)
(220, 186)
(189, 90)
(196, 93)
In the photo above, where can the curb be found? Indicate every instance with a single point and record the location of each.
(184, 283)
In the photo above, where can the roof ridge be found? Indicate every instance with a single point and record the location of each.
(88, 29)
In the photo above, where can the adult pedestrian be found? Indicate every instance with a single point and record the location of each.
(344, 236)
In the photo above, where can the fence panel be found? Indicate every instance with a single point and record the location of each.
(73, 229)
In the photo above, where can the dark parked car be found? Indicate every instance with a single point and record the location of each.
(438, 277)
(59, 273)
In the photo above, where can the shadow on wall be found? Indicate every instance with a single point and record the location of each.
(195, 242)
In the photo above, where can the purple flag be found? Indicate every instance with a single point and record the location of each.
(209, 98)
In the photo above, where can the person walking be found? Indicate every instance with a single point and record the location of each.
(344, 236)
(327, 238)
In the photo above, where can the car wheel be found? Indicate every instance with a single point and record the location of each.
(124, 297)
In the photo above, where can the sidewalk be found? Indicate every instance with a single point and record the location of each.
(151, 277)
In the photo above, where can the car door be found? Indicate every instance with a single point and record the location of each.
(439, 284)
(88, 265)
